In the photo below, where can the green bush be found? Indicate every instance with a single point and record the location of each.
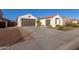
(38, 23)
(60, 27)
(72, 25)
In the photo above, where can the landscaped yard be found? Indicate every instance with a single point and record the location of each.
(70, 26)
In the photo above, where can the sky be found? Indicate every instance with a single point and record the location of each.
(11, 14)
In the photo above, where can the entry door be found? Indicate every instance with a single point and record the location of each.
(57, 21)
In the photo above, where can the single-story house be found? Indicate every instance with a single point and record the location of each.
(26, 20)
(3, 22)
(6, 23)
(66, 20)
(12, 24)
(30, 20)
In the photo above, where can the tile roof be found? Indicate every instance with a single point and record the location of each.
(50, 16)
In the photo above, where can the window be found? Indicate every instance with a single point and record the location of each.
(47, 22)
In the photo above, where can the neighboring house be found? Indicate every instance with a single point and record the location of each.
(3, 21)
(52, 20)
(66, 20)
(26, 20)
(75, 21)
(12, 23)
(78, 22)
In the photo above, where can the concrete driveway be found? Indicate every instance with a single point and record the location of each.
(47, 39)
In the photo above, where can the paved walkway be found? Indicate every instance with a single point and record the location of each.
(47, 39)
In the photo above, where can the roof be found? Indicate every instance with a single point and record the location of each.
(50, 16)
(74, 19)
(66, 19)
(27, 16)
(3, 19)
(23, 15)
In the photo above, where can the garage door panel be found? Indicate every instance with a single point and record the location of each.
(28, 22)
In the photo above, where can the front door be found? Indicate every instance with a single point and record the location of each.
(57, 21)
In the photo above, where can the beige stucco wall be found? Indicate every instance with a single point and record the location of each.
(75, 22)
(52, 20)
(43, 21)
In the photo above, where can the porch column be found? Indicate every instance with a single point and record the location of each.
(6, 24)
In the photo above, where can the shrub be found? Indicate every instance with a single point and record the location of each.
(72, 25)
(60, 27)
(38, 23)
(68, 28)
(50, 26)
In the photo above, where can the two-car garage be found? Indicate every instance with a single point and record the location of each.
(26, 20)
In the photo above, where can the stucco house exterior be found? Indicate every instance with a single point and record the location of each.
(66, 20)
(30, 20)
(3, 21)
(76, 21)
(52, 20)
(26, 20)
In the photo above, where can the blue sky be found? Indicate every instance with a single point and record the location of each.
(13, 13)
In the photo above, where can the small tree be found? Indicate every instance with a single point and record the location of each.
(38, 23)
